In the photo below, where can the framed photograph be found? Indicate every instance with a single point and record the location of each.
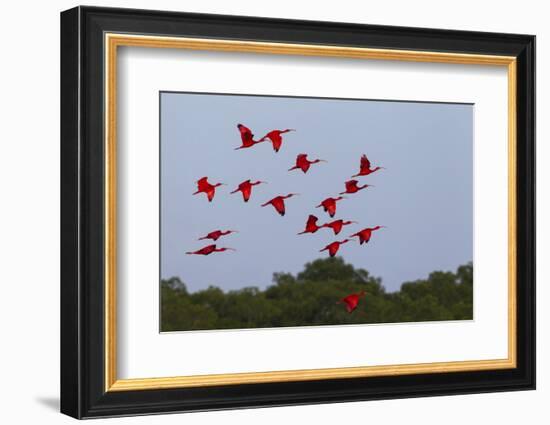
(261, 212)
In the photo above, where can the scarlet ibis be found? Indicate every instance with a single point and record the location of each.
(279, 202)
(275, 137)
(329, 205)
(365, 234)
(311, 225)
(337, 225)
(204, 187)
(247, 137)
(209, 249)
(216, 234)
(246, 188)
(303, 163)
(352, 301)
(351, 187)
(333, 247)
(364, 167)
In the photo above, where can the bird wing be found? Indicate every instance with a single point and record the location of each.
(246, 134)
(351, 184)
(331, 208)
(311, 222)
(365, 163)
(246, 190)
(202, 183)
(276, 139)
(279, 205)
(210, 193)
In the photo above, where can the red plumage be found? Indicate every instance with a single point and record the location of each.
(246, 188)
(365, 167)
(311, 225)
(303, 163)
(203, 186)
(365, 234)
(279, 203)
(329, 205)
(216, 234)
(352, 301)
(209, 249)
(352, 187)
(337, 225)
(333, 247)
(247, 138)
(275, 136)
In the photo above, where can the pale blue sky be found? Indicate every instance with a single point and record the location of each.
(425, 195)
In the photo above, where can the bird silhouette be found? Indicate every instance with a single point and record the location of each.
(209, 249)
(311, 225)
(204, 187)
(279, 202)
(352, 301)
(351, 187)
(276, 138)
(216, 234)
(365, 234)
(365, 167)
(333, 247)
(337, 225)
(246, 188)
(303, 163)
(329, 205)
(247, 138)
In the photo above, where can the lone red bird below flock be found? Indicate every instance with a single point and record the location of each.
(311, 225)
(276, 138)
(246, 188)
(365, 167)
(337, 225)
(365, 234)
(329, 205)
(279, 202)
(204, 187)
(303, 163)
(216, 234)
(352, 187)
(333, 247)
(209, 249)
(352, 301)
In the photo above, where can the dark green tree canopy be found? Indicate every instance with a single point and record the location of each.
(311, 298)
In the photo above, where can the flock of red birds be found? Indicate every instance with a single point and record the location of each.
(278, 203)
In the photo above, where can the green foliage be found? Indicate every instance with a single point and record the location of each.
(310, 298)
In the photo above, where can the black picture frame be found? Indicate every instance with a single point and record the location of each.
(82, 218)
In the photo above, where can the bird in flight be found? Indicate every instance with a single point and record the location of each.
(311, 225)
(275, 137)
(365, 167)
(216, 234)
(365, 234)
(246, 188)
(329, 205)
(303, 163)
(337, 225)
(351, 187)
(209, 249)
(247, 138)
(333, 247)
(279, 202)
(352, 301)
(204, 187)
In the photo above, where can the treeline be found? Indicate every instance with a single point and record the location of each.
(310, 297)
